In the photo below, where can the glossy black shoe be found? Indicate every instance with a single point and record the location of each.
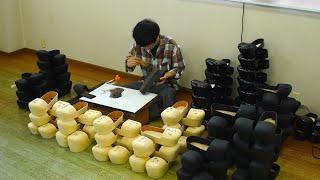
(244, 128)
(44, 55)
(262, 154)
(219, 67)
(218, 169)
(201, 88)
(274, 171)
(192, 161)
(259, 170)
(201, 102)
(249, 97)
(221, 80)
(230, 113)
(241, 174)
(216, 127)
(203, 176)
(253, 76)
(304, 125)
(59, 60)
(183, 175)
(255, 64)
(218, 90)
(265, 133)
(61, 69)
(254, 49)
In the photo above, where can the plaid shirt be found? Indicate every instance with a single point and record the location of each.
(168, 57)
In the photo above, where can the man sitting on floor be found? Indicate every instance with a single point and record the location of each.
(155, 51)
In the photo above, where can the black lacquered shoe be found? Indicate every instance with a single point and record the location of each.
(201, 88)
(219, 66)
(254, 49)
(44, 55)
(216, 127)
(244, 128)
(241, 174)
(249, 97)
(304, 125)
(265, 133)
(213, 78)
(192, 161)
(255, 64)
(183, 175)
(201, 102)
(253, 76)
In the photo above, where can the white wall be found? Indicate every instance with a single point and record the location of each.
(11, 38)
(99, 32)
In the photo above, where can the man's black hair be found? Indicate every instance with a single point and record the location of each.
(146, 32)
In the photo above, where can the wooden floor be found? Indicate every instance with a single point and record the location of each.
(24, 156)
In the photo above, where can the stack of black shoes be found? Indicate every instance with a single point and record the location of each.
(255, 148)
(307, 127)
(202, 97)
(54, 68)
(204, 159)
(25, 89)
(278, 101)
(219, 76)
(253, 60)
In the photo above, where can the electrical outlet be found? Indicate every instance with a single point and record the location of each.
(296, 95)
(43, 43)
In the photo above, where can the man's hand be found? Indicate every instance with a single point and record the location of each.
(134, 61)
(165, 78)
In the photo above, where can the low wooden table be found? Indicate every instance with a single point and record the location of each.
(134, 104)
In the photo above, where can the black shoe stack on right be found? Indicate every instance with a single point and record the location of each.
(219, 76)
(263, 152)
(204, 159)
(54, 68)
(253, 60)
(307, 127)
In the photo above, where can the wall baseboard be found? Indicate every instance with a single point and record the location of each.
(100, 68)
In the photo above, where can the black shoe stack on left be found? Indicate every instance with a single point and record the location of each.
(204, 159)
(253, 60)
(24, 91)
(219, 76)
(54, 68)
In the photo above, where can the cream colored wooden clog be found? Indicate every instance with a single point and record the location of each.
(33, 128)
(78, 141)
(39, 120)
(138, 164)
(89, 116)
(105, 140)
(171, 116)
(177, 126)
(47, 131)
(182, 107)
(194, 118)
(165, 137)
(194, 131)
(56, 106)
(130, 129)
(143, 147)
(156, 167)
(182, 144)
(40, 106)
(90, 131)
(68, 127)
(169, 154)
(62, 139)
(100, 153)
(126, 142)
(72, 111)
(119, 155)
(106, 124)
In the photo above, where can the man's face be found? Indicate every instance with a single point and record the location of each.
(152, 45)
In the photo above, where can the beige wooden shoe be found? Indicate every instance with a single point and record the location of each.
(194, 131)
(39, 120)
(156, 167)
(56, 106)
(62, 139)
(90, 131)
(78, 141)
(177, 126)
(119, 155)
(41, 106)
(130, 129)
(100, 153)
(165, 137)
(68, 127)
(183, 107)
(126, 142)
(182, 144)
(47, 131)
(106, 124)
(194, 118)
(143, 147)
(33, 128)
(89, 116)
(138, 164)
(105, 140)
(169, 154)
(171, 116)
(72, 111)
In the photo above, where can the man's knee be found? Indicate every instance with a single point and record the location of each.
(168, 92)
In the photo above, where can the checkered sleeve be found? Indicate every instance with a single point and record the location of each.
(177, 62)
(132, 52)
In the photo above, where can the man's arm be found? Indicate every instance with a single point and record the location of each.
(178, 64)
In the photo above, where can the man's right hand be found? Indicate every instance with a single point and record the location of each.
(132, 61)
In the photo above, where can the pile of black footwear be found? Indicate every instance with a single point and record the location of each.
(255, 147)
(53, 75)
(253, 60)
(54, 68)
(216, 88)
(205, 159)
(307, 127)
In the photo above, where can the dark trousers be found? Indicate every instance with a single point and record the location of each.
(166, 97)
